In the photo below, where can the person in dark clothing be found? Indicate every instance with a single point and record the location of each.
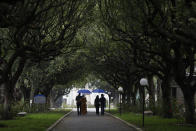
(96, 103)
(78, 103)
(103, 102)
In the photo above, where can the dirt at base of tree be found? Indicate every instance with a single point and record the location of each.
(2, 126)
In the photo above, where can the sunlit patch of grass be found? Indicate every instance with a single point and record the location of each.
(32, 122)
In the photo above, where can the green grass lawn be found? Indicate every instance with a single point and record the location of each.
(155, 123)
(32, 122)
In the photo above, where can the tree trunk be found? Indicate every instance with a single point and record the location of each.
(123, 96)
(51, 99)
(166, 96)
(26, 92)
(9, 83)
(133, 94)
(123, 100)
(133, 99)
(128, 95)
(7, 101)
(140, 94)
(32, 94)
(158, 91)
(189, 106)
(151, 91)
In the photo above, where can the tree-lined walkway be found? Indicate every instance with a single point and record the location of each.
(91, 122)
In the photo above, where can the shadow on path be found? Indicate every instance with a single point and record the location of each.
(91, 122)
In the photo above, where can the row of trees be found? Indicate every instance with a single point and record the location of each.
(124, 41)
(134, 39)
(34, 31)
(52, 79)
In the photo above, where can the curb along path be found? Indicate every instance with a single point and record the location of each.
(57, 122)
(91, 122)
(129, 124)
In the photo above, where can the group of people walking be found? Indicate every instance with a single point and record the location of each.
(81, 104)
(82, 107)
(100, 102)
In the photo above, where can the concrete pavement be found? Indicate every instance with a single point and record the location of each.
(91, 122)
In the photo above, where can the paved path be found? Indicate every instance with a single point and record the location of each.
(91, 122)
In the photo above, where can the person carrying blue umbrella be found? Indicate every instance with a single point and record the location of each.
(97, 104)
(78, 103)
(102, 100)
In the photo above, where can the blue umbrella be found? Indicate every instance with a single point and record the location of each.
(98, 91)
(84, 91)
